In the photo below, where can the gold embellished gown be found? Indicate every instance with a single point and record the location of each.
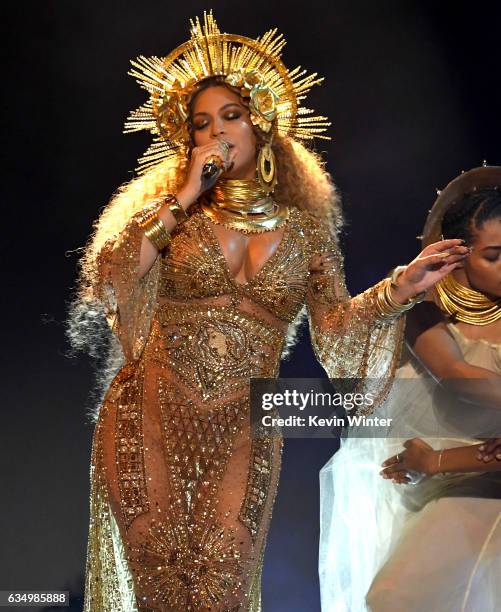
(181, 493)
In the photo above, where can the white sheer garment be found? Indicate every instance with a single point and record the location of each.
(432, 547)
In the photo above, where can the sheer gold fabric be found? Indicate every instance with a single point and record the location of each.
(181, 493)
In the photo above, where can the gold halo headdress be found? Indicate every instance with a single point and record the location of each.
(254, 66)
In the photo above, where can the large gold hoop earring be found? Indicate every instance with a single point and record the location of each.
(267, 168)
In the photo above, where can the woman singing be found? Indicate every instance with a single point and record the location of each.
(435, 543)
(203, 277)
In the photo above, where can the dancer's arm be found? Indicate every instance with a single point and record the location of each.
(439, 352)
(419, 456)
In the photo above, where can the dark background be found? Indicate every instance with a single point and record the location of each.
(413, 91)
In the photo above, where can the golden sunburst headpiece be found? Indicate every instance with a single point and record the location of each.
(254, 66)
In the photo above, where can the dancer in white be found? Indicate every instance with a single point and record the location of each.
(428, 536)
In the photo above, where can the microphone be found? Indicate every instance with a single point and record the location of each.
(213, 168)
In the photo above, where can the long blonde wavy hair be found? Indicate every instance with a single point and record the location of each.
(302, 182)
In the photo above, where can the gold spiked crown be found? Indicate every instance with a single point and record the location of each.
(253, 66)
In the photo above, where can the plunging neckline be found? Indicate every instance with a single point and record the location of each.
(218, 250)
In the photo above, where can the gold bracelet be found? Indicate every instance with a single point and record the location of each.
(385, 307)
(381, 304)
(406, 305)
(151, 210)
(395, 274)
(178, 212)
(388, 307)
(419, 297)
(157, 234)
(439, 461)
(148, 213)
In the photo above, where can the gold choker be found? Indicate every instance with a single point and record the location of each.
(243, 205)
(466, 304)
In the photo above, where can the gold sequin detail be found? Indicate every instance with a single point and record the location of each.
(189, 560)
(129, 443)
(109, 585)
(214, 349)
(128, 300)
(349, 338)
(258, 484)
(187, 328)
(196, 267)
(187, 567)
(197, 445)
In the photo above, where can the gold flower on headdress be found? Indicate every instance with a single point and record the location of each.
(263, 100)
(172, 113)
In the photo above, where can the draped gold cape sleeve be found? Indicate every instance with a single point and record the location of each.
(129, 300)
(349, 337)
(129, 303)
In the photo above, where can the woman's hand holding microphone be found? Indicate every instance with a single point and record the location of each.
(206, 164)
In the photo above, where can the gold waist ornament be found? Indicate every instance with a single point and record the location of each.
(243, 205)
(466, 304)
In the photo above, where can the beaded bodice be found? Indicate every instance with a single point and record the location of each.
(195, 267)
(193, 272)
